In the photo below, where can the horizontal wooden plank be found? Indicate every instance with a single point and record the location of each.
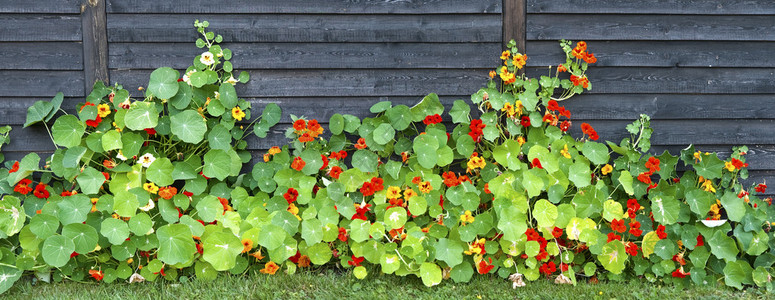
(41, 83)
(685, 132)
(34, 27)
(661, 54)
(307, 7)
(41, 56)
(312, 56)
(312, 83)
(41, 6)
(605, 80)
(650, 27)
(13, 110)
(759, 157)
(689, 7)
(670, 106)
(308, 28)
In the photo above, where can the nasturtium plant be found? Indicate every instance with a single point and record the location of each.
(496, 186)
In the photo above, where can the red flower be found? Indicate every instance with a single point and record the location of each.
(355, 261)
(661, 232)
(561, 68)
(298, 163)
(679, 259)
(557, 232)
(335, 172)
(631, 249)
(531, 234)
(485, 267)
(645, 177)
(450, 179)
(613, 236)
(548, 268)
(360, 212)
(41, 192)
(361, 144)
(342, 234)
(565, 125)
(588, 130)
(761, 188)
(633, 204)
(23, 186)
(700, 241)
(653, 164)
(738, 163)
(14, 168)
(476, 127)
(295, 258)
(95, 122)
(680, 273)
(635, 228)
(199, 249)
(299, 125)
(537, 163)
(524, 121)
(552, 105)
(187, 193)
(291, 195)
(325, 161)
(432, 119)
(74, 254)
(97, 275)
(618, 226)
(150, 131)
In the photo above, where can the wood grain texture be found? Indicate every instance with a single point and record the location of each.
(685, 132)
(759, 157)
(13, 110)
(310, 56)
(514, 23)
(95, 43)
(308, 7)
(41, 56)
(651, 80)
(670, 106)
(308, 28)
(40, 6)
(689, 7)
(36, 27)
(312, 83)
(650, 27)
(41, 83)
(662, 54)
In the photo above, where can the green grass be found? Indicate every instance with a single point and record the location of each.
(329, 284)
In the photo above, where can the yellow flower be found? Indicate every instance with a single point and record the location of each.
(509, 109)
(476, 162)
(409, 193)
(565, 152)
(708, 186)
(237, 113)
(698, 156)
(247, 245)
(103, 110)
(274, 150)
(521, 140)
(425, 187)
(466, 218)
(393, 192)
(507, 76)
(729, 166)
(270, 268)
(151, 187)
(606, 169)
(505, 55)
(267, 157)
(294, 210)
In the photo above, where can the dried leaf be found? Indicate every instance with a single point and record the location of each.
(516, 280)
(562, 279)
(136, 278)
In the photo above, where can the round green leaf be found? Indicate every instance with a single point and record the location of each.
(449, 251)
(365, 160)
(399, 116)
(395, 217)
(319, 253)
(220, 249)
(312, 231)
(163, 83)
(160, 172)
(336, 124)
(384, 133)
(141, 224)
(44, 225)
(115, 230)
(84, 237)
(217, 164)
(597, 153)
(272, 237)
(175, 244)
(228, 97)
(219, 138)
(67, 131)
(56, 250)
(545, 213)
(142, 115)
(189, 126)
(430, 274)
(74, 209)
(613, 257)
(208, 208)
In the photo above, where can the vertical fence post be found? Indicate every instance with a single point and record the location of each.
(514, 24)
(95, 43)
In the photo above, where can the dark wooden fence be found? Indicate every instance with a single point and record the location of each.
(702, 69)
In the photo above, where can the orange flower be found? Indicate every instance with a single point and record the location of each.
(14, 168)
(98, 275)
(314, 127)
(492, 74)
(561, 68)
(298, 163)
(361, 144)
(23, 186)
(425, 187)
(247, 245)
(110, 164)
(404, 156)
(257, 255)
(335, 172)
(270, 268)
(305, 137)
(168, 192)
(275, 150)
(304, 261)
(299, 125)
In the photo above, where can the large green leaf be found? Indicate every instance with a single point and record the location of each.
(273, 237)
(737, 273)
(221, 248)
(384, 133)
(700, 201)
(67, 131)
(10, 275)
(613, 257)
(115, 230)
(425, 147)
(734, 207)
(597, 153)
(56, 250)
(365, 160)
(38, 112)
(217, 164)
(395, 217)
(44, 225)
(579, 174)
(512, 222)
(219, 137)
(430, 274)
(228, 97)
(430, 105)
(160, 172)
(319, 253)
(189, 126)
(84, 237)
(12, 216)
(449, 251)
(141, 115)
(175, 244)
(460, 111)
(74, 209)
(90, 181)
(545, 213)
(723, 247)
(164, 83)
(111, 140)
(666, 210)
